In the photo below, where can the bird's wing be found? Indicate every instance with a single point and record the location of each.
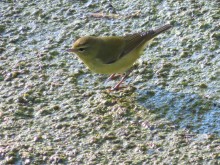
(132, 41)
(111, 49)
(139, 39)
(118, 47)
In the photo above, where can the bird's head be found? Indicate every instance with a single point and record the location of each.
(86, 47)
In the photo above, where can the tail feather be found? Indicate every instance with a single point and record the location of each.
(162, 29)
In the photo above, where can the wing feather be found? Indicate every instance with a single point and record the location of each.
(118, 47)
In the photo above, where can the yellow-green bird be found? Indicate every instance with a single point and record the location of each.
(113, 54)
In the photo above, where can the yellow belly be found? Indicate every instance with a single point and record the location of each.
(120, 66)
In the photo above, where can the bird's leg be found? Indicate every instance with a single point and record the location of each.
(110, 78)
(117, 86)
(113, 76)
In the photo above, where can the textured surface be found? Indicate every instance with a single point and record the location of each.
(55, 111)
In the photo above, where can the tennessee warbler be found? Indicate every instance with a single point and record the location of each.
(113, 54)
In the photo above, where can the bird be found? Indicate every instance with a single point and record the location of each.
(113, 54)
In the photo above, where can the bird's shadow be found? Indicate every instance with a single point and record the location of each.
(186, 110)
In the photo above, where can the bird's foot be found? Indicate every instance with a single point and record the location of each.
(112, 77)
(117, 86)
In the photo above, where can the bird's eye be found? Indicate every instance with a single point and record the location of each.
(81, 49)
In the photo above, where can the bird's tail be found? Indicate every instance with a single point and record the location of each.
(161, 29)
(149, 35)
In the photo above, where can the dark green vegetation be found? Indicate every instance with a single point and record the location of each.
(54, 111)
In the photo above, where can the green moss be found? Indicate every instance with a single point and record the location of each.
(184, 54)
(55, 111)
(2, 28)
(202, 85)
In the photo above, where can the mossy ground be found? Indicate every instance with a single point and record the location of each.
(55, 111)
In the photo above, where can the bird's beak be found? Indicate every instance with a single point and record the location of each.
(71, 50)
